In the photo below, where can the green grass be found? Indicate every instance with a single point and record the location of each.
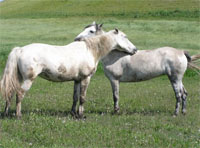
(145, 119)
(146, 108)
(145, 34)
(174, 9)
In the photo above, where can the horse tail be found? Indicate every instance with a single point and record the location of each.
(195, 57)
(10, 82)
(187, 56)
(193, 61)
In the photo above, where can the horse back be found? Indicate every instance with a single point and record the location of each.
(147, 64)
(56, 63)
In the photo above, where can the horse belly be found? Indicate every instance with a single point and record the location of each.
(67, 73)
(137, 76)
(57, 77)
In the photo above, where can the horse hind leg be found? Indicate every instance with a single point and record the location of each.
(178, 100)
(178, 93)
(184, 99)
(20, 95)
(7, 107)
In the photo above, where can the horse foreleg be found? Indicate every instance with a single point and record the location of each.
(83, 88)
(20, 95)
(115, 90)
(76, 96)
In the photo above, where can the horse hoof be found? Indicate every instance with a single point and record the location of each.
(5, 114)
(73, 114)
(81, 117)
(175, 114)
(184, 113)
(19, 117)
(116, 111)
(2, 116)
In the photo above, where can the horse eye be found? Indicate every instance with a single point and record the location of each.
(91, 31)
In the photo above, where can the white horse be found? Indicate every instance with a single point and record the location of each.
(76, 62)
(144, 65)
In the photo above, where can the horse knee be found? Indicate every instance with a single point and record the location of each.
(184, 97)
(178, 97)
(185, 92)
(26, 85)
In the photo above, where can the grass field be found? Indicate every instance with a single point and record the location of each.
(146, 108)
(178, 9)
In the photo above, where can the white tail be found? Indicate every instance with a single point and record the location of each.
(10, 82)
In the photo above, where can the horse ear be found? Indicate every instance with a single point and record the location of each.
(116, 31)
(99, 26)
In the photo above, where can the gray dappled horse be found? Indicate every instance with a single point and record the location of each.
(144, 65)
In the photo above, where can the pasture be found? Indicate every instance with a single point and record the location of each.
(146, 108)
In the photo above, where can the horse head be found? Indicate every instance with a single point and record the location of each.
(122, 42)
(90, 31)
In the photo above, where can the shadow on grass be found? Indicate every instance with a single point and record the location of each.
(146, 112)
(41, 112)
(58, 113)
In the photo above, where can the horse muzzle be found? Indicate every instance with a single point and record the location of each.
(134, 51)
(77, 39)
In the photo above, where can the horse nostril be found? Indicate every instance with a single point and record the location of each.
(77, 39)
(134, 52)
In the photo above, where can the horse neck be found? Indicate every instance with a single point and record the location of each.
(101, 32)
(100, 46)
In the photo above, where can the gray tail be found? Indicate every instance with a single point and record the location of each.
(188, 56)
(195, 57)
(193, 61)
